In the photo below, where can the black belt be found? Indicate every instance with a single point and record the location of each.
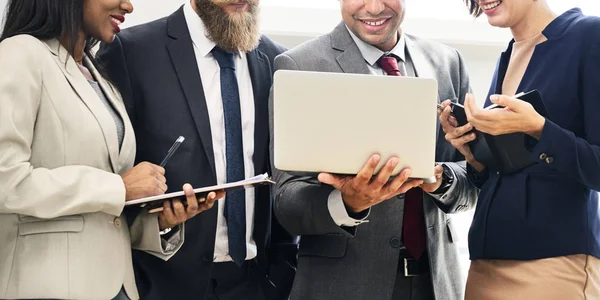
(409, 267)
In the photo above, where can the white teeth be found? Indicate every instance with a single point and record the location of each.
(491, 5)
(116, 21)
(374, 23)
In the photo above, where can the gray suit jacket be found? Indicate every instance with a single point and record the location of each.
(361, 262)
(62, 235)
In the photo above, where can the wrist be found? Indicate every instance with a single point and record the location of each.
(355, 213)
(435, 187)
(163, 226)
(445, 181)
(479, 167)
(537, 127)
(351, 209)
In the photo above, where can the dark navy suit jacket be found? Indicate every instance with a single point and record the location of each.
(155, 69)
(551, 208)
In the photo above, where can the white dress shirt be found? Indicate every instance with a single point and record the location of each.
(211, 82)
(371, 54)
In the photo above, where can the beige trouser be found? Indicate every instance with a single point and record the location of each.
(574, 277)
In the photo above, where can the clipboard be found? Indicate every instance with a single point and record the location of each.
(155, 202)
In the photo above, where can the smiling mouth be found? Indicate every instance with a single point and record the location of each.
(117, 21)
(375, 23)
(491, 5)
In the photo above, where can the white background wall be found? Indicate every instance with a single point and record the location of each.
(292, 22)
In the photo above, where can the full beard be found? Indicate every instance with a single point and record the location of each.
(236, 32)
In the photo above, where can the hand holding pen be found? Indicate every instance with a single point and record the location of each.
(176, 211)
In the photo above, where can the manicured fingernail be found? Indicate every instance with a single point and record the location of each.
(394, 161)
(494, 97)
(376, 158)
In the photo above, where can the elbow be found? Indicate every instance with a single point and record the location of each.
(284, 214)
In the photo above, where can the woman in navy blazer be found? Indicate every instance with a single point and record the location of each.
(536, 231)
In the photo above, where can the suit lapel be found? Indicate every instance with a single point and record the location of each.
(184, 62)
(260, 75)
(350, 58)
(423, 67)
(87, 94)
(115, 100)
(501, 70)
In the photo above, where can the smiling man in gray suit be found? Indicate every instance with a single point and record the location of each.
(408, 248)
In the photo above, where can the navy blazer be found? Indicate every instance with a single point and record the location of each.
(550, 209)
(154, 67)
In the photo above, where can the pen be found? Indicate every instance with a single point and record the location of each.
(171, 151)
(453, 102)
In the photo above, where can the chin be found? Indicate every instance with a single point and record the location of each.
(498, 22)
(108, 38)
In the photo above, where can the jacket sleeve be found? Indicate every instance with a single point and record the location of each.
(462, 196)
(577, 157)
(300, 199)
(145, 236)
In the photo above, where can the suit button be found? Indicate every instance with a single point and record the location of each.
(395, 242)
(543, 156)
(549, 159)
(117, 223)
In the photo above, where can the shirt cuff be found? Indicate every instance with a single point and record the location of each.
(170, 244)
(449, 191)
(338, 211)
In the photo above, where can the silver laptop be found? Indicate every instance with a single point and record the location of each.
(332, 122)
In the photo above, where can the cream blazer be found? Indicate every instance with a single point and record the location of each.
(61, 197)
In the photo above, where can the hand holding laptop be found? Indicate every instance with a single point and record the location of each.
(364, 190)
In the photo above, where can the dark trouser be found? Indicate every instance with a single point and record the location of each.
(230, 282)
(418, 284)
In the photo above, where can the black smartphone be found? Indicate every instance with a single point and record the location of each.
(458, 111)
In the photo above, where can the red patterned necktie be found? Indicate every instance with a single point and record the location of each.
(390, 65)
(413, 227)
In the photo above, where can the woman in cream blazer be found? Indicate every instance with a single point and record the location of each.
(65, 140)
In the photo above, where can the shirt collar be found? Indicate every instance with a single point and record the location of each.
(198, 31)
(371, 53)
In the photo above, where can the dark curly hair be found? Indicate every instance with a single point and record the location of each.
(47, 19)
(473, 7)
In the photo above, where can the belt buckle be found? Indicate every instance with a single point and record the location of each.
(406, 271)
